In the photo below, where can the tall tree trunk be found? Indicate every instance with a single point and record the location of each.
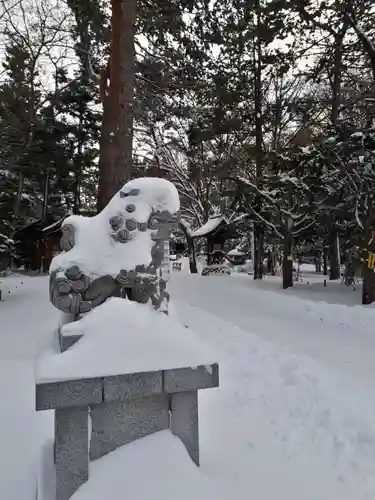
(368, 288)
(318, 263)
(112, 174)
(337, 74)
(191, 250)
(334, 254)
(252, 246)
(333, 240)
(45, 196)
(325, 260)
(17, 204)
(259, 230)
(124, 161)
(79, 171)
(82, 13)
(258, 252)
(287, 256)
(192, 257)
(104, 157)
(274, 260)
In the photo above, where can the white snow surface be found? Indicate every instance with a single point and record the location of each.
(156, 467)
(95, 252)
(27, 321)
(121, 337)
(294, 415)
(236, 252)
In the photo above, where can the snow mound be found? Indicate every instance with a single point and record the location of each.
(95, 251)
(121, 337)
(155, 467)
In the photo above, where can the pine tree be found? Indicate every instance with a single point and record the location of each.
(19, 97)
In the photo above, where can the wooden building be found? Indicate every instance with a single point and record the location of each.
(216, 231)
(37, 242)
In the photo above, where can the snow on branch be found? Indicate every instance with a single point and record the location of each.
(268, 223)
(267, 196)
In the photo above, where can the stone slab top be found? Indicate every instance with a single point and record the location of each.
(123, 337)
(126, 387)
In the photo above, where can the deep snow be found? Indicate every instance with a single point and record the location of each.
(292, 419)
(121, 337)
(154, 467)
(339, 337)
(26, 322)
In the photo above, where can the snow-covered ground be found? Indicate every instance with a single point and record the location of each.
(293, 417)
(310, 319)
(26, 322)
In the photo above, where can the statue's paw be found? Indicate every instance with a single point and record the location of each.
(99, 290)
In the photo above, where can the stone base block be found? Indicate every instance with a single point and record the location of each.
(71, 450)
(118, 423)
(68, 393)
(132, 386)
(184, 421)
(191, 379)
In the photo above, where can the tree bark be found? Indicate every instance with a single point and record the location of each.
(325, 261)
(274, 260)
(334, 249)
(287, 259)
(318, 263)
(116, 143)
(258, 252)
(368, 288)
(259, 231)
(192, 258)
(337, 73)
(111, 111)
(124, 160)
(334, 254)
(17, 204)
(191, 250)
(104, 157)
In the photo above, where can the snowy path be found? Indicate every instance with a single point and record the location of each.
(337, 336)
(26, 323)
(290, 427)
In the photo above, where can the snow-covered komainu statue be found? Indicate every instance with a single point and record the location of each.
(118, 252)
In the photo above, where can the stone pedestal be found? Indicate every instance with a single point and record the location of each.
(184, 421)
(116, 424)
(71, 445)
(123, 408)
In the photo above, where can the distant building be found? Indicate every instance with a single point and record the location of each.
(36, 243)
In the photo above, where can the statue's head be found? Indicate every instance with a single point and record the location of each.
(144, 205)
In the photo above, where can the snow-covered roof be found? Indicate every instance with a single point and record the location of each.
(55, 225)
(236, 252)
(209, 227)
